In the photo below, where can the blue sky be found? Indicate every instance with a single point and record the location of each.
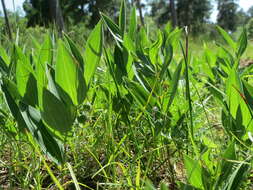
(245, 4)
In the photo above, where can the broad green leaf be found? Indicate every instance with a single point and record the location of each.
(248, 89)
(207, 66)
(113, 28)
(238, 177)
(164, 187)
(55, 113)
(76, 53)
(68, 75)
(155, 48)
(242, 43)
(93, 52)
(236, 102)
(22, 76)
(133, 24)
(194, 172)
(31, 94)
(227, 38)
(29, 118)
(128, 43)
(233, 85)
(122, 16)
(143, 97)
(23, 71)
(4, 61)
(174, 85)
(4, 56)
(173, 38)
(49, 145)
(167, 60)
(142, 41)
(13, 107)
(120, 60)
(26, 82)
(3, 67)
(44, 58)
(225, 167)
(149, 186)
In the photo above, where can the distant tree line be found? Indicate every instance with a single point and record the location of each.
(192, 13)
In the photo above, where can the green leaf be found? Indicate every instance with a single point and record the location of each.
(55, 113)
(93, 52)
(225, 166)
(3, 67)
(13, 107)
(29, 118)
(22, 76)
(155, 48)
(233, 85)
(174, 85)
(167, 60)
(128, 43)
(164, 187)
(133, 24)
(113, 28)
(248, 92)
(23, 71)
(227, 38)
(142, 96)
(242, 43)
(31, 94)
(75, 52)
(238, 177)
(194, 172)
(122, 16)
(49, 145)
(68, 75)
(4, 56)
(186, 186)
(44, 58)
(210, 60)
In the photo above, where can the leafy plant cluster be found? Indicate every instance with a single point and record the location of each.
(141, 108)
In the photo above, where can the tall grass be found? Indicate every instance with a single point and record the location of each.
(139, 113)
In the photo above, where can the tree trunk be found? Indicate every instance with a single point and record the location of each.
(56, 15)
(173, 13)
(140, 11)
(6, 20)
(132, 3)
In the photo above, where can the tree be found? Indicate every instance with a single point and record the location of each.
(184, 14)
(73, 11)
(250, 11)
(173, 13)
(6, 20)
(227, 14)
(110, 7)
(193, 13)
(163, 11)
(242, 18)
(139, 6)
(56, 14)
(160, 11)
